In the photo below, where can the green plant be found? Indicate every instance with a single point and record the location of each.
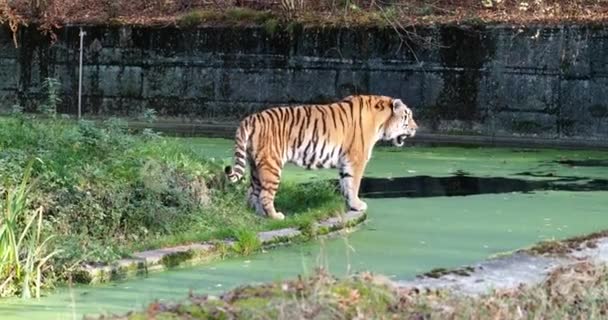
(247, 242)
(51, 87)
(221, 248)
(194, 18)
(271, 25)
(115, 125)
(24, 254)
(308, 228)
(150, 134)
(244, 15)
(149, 115)
(16, 110)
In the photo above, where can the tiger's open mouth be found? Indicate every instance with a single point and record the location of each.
(399, 140)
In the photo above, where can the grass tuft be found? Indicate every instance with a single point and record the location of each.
(247, 242)
(24, 249)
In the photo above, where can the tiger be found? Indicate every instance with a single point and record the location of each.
(339, 135)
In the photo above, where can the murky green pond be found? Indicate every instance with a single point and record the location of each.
(441, 207)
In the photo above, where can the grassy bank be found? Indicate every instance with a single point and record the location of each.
(103, 192)
(575, 292)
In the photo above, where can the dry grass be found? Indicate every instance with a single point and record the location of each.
(562, 247)
(578, 291)
(52, 13)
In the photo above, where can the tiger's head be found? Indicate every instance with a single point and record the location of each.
(400, 125)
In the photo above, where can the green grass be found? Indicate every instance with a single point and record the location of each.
(302, 205)
(106, 193)
(230, 16)
(274, 21)
(576, 292)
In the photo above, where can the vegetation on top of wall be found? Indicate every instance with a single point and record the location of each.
(270, 19)
(51, 14)
(233, 16)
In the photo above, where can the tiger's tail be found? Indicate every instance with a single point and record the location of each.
(235, 173)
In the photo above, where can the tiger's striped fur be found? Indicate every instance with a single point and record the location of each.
(340, 134)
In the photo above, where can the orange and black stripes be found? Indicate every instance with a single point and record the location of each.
(340, 135)
(240, 152)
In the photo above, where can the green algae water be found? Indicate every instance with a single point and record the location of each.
(456, 206)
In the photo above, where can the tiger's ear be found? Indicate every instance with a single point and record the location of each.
(398, 106)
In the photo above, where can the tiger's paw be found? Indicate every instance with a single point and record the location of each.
(278, 216)
(358, 205)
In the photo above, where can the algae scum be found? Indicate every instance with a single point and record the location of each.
(428, 208)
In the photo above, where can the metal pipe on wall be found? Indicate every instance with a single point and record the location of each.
(82, 34)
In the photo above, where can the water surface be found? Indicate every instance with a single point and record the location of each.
(428, 208)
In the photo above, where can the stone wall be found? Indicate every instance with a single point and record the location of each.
(548, 82)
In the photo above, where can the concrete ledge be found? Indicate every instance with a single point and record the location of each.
(142, 263)
(274, 235)
(523, 267)
(156, 256)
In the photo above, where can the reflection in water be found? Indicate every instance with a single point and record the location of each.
(462, 185)
(585, 163)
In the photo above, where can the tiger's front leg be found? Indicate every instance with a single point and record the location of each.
(350, 180)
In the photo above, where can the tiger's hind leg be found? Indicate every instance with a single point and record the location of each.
(269, 178)
(253, 193)
(252, 196)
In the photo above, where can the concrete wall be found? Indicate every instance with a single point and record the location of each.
(548, 82)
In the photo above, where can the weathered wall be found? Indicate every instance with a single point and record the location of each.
(539, 81)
